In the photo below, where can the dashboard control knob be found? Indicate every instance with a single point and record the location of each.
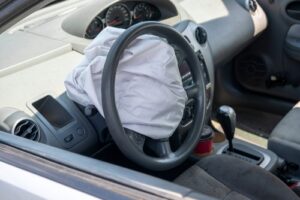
(90, 110)
(201, 35)
(80, 132)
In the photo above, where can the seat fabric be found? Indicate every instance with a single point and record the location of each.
(225, 177)
(285, 138)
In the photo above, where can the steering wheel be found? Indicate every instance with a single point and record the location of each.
(132, 143)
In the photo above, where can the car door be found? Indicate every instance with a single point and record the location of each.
(271, 65)
(263, 81)
(27, 176)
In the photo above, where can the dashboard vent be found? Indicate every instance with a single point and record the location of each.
(252, 4)
(28, 129)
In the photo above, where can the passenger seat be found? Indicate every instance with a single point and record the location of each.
(285, 138)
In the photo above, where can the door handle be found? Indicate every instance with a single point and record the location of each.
(293, 10)
(292, 42)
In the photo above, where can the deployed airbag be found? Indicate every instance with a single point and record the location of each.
(149, 95)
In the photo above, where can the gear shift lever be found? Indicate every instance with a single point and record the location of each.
(227, 118)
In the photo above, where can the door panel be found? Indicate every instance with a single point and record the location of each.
(271, 65)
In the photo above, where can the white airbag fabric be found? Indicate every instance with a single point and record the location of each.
(149, 94)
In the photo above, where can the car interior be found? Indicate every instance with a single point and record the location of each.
(238, 61)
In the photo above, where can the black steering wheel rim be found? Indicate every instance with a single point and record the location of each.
(112, 118)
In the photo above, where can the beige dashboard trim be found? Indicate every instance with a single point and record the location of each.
(35, 60)
(260, 20)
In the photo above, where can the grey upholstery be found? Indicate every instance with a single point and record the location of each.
(285, 138)
(225, 177)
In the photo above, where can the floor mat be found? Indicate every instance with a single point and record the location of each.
(257, 122)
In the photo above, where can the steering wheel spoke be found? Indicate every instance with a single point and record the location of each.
(161, 148)
(192, 91)
(137, 139)
(184, 128)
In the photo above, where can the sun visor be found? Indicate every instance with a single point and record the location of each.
(149, 94)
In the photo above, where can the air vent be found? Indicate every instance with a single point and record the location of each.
(28, 129)
(252, 4)
(201, 35)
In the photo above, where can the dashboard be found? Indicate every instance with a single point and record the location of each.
(123, 15)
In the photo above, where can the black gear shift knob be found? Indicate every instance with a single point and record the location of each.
(227, 118)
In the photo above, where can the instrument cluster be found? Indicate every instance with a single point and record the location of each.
(122, 15)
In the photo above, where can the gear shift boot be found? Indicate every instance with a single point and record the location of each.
(245, 153)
